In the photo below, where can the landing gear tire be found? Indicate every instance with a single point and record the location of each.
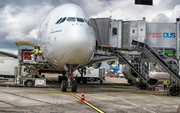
(74, 86)
(29, 83)
(64, 85)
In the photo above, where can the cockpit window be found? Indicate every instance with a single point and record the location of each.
(62, 20)
(80, 20)
(85, 21)
(58, 21)
(72, 19)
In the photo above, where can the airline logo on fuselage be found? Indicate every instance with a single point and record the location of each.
(162, 35)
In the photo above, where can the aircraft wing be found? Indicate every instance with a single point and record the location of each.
(9, 53)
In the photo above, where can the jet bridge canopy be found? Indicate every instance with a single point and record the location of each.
(26, 43)
(119, 34)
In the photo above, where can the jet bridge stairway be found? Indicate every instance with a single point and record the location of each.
(173, 71)
(150, 82)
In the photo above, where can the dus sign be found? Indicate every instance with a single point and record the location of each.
(169, 35)
(164, 35)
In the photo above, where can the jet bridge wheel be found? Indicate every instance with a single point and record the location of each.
(174, 90)
(64, 85)
(74, 86)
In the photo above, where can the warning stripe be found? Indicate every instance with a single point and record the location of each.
(92, 106)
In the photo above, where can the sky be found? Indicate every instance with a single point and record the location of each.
(20, 19)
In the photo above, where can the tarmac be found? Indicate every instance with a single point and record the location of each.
(114, 96)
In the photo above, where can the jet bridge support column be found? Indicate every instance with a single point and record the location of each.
(177, 37)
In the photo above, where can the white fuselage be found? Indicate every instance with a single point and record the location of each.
(69, 42)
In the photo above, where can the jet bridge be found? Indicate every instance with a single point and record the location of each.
(119, 34)
(145, 37)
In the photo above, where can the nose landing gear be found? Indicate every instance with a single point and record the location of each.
(68, 79)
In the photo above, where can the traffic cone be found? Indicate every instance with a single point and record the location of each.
(82, 97)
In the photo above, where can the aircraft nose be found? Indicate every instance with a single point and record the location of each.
(73, 44)
(78, 40)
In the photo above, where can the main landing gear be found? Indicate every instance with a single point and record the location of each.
(68, 80)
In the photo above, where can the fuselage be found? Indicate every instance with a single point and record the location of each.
(66, 37)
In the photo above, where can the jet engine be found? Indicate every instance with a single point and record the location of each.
(129, 74)
(96, 65)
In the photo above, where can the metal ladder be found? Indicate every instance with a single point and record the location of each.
(147, 80)
(173, 71)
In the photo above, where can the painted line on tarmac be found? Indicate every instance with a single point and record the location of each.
(137, 105)
(92, 106)
(17, 106)
(153, 95)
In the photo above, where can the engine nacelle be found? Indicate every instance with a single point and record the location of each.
(129, 73)
(96, 65)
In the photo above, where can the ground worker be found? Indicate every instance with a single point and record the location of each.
(137, 81)
(35, 51)
(101, 80)
(165, 84)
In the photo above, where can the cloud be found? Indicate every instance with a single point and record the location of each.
(21, 19)
(19, 36)
(168, 15)
(127, 10)
(22, 23)
(160, 18)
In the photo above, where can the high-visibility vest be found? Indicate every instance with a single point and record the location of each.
(35, 51)
(165, 82)
(137, 80)
(42, 49)
(101, 78)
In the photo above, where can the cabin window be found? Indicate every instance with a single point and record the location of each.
(80, 20)
(71, 19)
(58, 21)
(114, 31)
(62, 20)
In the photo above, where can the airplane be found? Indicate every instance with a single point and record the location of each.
(69, 43)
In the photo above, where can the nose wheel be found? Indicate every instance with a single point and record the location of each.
(69, 80)
(64, 85)
(74, 86)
